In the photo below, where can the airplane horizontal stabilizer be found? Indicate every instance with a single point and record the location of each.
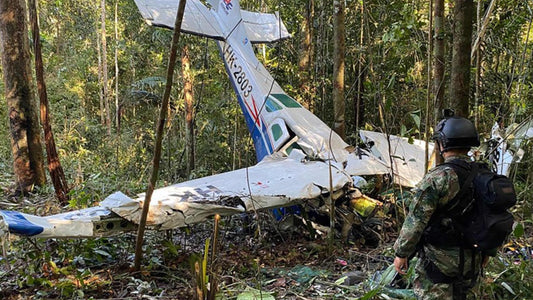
(200, 20)
(90, 222)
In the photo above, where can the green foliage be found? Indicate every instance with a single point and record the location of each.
(507, 277)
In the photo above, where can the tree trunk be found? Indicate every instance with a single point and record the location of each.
(477, 92)
(322, 61)
(338, 68)
(54, 165)
(105, 88)
(26, 146)
(100, 79)
(189, 108)
(429, 87)
(462, 43)
(438, 67)
(117, 108)
(305, 64)
(159, 136)
(438, 58)
(359, 103)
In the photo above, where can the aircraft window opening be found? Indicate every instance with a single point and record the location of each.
(291, 144)
(277, 132)
(272, 105)
(286, 100)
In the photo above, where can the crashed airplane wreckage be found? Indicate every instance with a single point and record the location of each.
(300, 158)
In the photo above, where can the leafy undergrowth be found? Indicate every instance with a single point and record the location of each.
(256, 255)
(256, 258)
(284, 265)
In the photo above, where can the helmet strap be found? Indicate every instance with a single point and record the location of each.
(439, 144)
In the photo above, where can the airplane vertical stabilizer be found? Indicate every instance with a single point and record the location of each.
(229, 15)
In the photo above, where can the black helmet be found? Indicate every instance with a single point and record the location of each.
(456, 133)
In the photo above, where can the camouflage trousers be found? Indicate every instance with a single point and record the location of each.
(425, 289)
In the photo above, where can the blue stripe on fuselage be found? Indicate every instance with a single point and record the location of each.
(259, 136)
(18, 224)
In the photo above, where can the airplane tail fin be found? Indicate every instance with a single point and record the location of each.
(229, 13)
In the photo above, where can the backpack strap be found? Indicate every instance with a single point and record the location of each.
(458, 205)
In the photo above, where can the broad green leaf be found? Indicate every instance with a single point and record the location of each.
(416, 119)
(518, 230)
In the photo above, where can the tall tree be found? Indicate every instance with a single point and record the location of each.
(305, 64)
(438, 57)
(188, 94)
(54, 165)
(159, 135)
(429, 86)
(117, 114)
(105, 86)
(359, 103)
(338, 68)
(439, 37)
(100, 78)
(460, 73)
(26, 146)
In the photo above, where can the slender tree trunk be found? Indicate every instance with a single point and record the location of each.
(429, 87)
(338, 68)
(59, 38)
(482, 27)
(438, 58)
(189, 108)
(54, 165)
(105, 87)
(323, 61)
(100, 79)
(117, 113)
(26, 146)
(477, 92)
(359, 103)
(460, 73)
(438, 67)
(159, 136)
(305, 65)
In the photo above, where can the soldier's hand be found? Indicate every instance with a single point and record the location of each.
(401, 264)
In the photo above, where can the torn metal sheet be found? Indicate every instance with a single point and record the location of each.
(407, 160)
(515, 134)
(505, 145)
(361, 162)
(271, 183)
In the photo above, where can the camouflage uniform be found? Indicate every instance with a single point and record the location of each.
(439, 186)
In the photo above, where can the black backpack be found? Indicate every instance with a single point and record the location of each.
(478, 216)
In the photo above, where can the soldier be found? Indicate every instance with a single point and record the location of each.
(438, 272)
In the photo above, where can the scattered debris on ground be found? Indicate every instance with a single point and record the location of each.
(256, 255)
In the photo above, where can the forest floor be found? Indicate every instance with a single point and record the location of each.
(257, 257)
